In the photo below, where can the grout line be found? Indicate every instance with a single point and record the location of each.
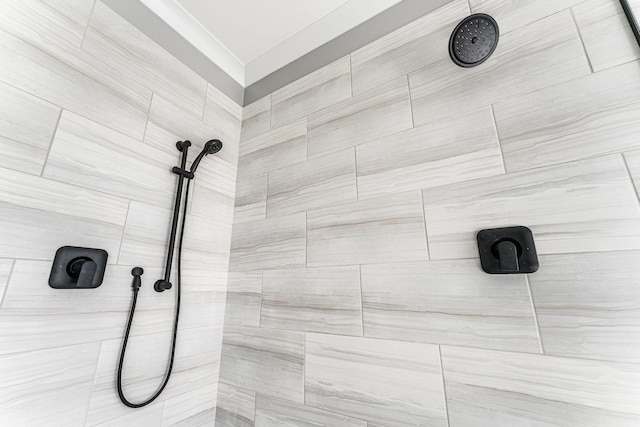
(86, 29)
(469, 4)
(535, 316)
(270, 109)
(6, 287)
(261, 290)
(444, 388)
(124, 229)
(146, 124)
(633, 184)
(266, 193)
(355, 159)
(53, 137)
(306, 240)
(361, 298)
(495, 127)
(204, 105)
(93, 382)
(584, 47)
(304, 368)
(413, 123)
(424, 219)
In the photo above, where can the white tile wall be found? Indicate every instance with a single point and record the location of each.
(544, 134)
(85, 160)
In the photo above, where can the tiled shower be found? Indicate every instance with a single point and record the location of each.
(332, 274)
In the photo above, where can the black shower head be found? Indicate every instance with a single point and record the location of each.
(212, 146)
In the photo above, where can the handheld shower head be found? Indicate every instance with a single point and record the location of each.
(211, 147)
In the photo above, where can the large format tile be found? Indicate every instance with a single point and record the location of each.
(243, 299)
(322, 181)
(392, 383)
(224, 115)
(507, 389)
(59, 79)
(27, 125)
(39, 215)
(267, 361)
(89, 155)
(431, 155)
(373, 114)
(548, 200)
(323, 300)
(35, 316)
(407, 49)
(251, 197)
(270, 243)
(533, 57)
(194, 408)
(366, 232)
(606, 33)
(588, 305)
(514, 14)
(275, 149)
(236, 406)
(120, 45)
(195, 368)
(322, 88)
(448, 302)
(256, 118)
(632, 159)
(49, 387)
(593, 115)
(6, 265)
(275, 412)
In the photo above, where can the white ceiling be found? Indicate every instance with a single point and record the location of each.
(250, 39)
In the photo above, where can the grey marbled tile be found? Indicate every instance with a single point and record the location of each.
(514, 14)
(389, 382)
(39, 215)
(588, 305)
(35, 316)
(325, 300)
(606, 32)
(322, 181)
(275, 412)
(236, 406)
(389, 228)
(6, 265)
(26, 128)
(536, 56)
(145, 235)
(420, 43)
(270, 243)
(322, 88)
(632, 159)
(243, 299)
(194, 408)
(448, 302)
(589, 116)
(209, 202)
(508, 389)
(195, 369)
(77, 12)
(48, 387)
(427, 156)
(256, 118)
(224, 115)
(267, 361)
(548, 200)
(251, 197)
(90, 155)
(370, 115)
(120, 45)
(275, 149)
(169, 124)
(61, 80)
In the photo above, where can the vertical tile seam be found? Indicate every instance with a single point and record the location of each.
(633, 184)
(444, 387)
(535, 315)
(424, 220)
(6, 287)
(355, 160)
(351, 74)
(306, 239)
(124, 229)
(361, 298)
(146, 124)
(304, 369)
(86, 28)
(259, 308)
(413, 123)
(93, 381)
(204, 104)
(584, 46)
(495, 128)
(53, 137)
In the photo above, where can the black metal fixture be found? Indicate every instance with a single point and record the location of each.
(632, 19)
(78, 268)
(474, 40)
(508, 250)
(211, 147)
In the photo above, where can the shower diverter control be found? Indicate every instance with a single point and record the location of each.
(508, 250)
(78, 268)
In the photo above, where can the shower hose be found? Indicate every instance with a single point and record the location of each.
(138, 272)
